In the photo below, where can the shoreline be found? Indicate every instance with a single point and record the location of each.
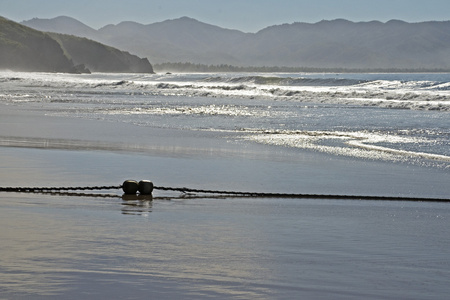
(106, 153)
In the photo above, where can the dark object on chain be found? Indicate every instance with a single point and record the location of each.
(145, 187)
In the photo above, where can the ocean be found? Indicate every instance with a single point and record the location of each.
(398, 118)
(362, 134)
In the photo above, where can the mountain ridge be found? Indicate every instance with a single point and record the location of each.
(336, 43)
(64, 23)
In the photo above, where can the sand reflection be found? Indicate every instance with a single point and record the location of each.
(54, 246)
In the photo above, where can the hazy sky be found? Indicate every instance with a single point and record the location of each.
(245, 15)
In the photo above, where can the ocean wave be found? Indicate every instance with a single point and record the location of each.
(411, 85)
(7, 79)
(390, 94)
(210, 110)
(286, 81)
(416, 95)
(394, 99)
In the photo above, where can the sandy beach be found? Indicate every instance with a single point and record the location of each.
(72, 246)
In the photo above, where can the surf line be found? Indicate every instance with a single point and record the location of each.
(146, 187)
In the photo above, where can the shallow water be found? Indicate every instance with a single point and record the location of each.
(382, 117)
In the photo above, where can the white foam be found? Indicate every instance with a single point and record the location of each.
(223, 110)
(417, 95)
(359, 144)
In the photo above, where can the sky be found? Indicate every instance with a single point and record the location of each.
(244, 15)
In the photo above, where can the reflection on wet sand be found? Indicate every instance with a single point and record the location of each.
(136, 204)
(131, 204)
(55, 245)
(96, 145)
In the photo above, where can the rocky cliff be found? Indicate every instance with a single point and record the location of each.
(100, 58)
(26, 49)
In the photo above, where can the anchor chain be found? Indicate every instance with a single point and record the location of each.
(146, 187)
(298, 196)
(56, 189)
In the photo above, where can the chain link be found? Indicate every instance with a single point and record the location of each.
(56, 189)
(221, 192)
(299, 196)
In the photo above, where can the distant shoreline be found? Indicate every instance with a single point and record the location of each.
(187, 67)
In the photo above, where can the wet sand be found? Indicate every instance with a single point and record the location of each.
(72, 246)
(106, 153)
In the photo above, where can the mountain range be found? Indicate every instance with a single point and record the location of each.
(25, 49)
(327, 44)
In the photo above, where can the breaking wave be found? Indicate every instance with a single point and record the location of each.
(287, 81)
(370, 91)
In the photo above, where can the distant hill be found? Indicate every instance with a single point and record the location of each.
(326, 44)
(62, 24)
(338, 43)
(26, 49)
(183, 39)
(100, 58)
